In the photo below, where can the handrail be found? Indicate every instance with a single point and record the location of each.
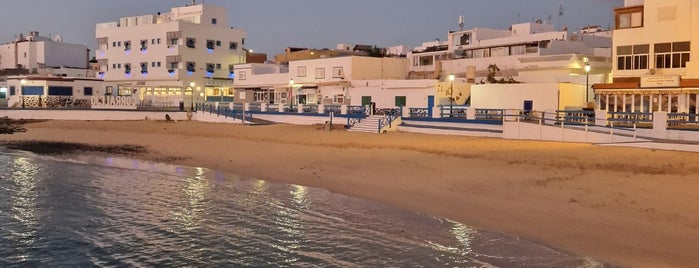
(390, 116)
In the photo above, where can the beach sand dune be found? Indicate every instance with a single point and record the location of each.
(624, 206)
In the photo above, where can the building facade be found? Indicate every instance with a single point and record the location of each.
(527, 52)
(36, 53)
(656, 43)
(186, 55)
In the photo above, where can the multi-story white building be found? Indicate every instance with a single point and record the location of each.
(527, 52)
(186, 55)
(35, 53)
(656, 43)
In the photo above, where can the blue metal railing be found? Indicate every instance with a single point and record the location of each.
(630, 118)
(575, 117)
(452, 112)
(419, 112)
(490, 114)
(225, 111)
(390, 115)
(332, 108)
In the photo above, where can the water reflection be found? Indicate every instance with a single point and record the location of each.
(193, 204)
(24, 204)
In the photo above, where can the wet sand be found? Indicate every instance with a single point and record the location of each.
(624, 206)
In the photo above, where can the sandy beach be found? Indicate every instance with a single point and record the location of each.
(623, 206)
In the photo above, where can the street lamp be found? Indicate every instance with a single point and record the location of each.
(451, 94)
(291, 90)
(587, 80)
(191, 91)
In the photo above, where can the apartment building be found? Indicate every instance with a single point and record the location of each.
(656, 43)
(35, 53)
(185, 55)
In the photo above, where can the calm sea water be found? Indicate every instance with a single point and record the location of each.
(120, 212)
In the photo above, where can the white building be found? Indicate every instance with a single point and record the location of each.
(527, 52)
(55, 92)
(34, 53)
(656, 43)
(186, 55)
(348, 80)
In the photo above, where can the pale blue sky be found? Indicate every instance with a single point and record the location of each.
(273, 25)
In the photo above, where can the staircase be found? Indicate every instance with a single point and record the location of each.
(368, 125)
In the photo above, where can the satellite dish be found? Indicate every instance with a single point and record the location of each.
(58, 38)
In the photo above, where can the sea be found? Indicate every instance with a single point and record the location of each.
(90, 211)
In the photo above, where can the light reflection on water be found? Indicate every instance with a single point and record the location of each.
(121, 212)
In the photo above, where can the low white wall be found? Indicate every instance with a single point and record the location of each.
(300, 119)
(529, 131)
(91, 115)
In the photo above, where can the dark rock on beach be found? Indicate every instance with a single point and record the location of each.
(58, 148)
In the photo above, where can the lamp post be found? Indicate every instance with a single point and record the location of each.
(451, 94)
(23, 81)
(191, 90)
(291, 90)
(587, 80)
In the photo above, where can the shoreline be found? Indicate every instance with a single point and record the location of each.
(625, 206)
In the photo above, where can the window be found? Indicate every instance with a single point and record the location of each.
(87, 91)
(144, 67)
(210, 44)
(127, 45)
(320, 73)
(114, 66)
(210, 67)
(671, 55)
(152, 41)
(191, 66)
(340, 98)
(218, 66)
(338, 72)
(301, 71)
(152, 64)
(12, 90)
(632, 57)
(174, 65)
(218, 43)
(119, 43)
(109, 90)
(158, 65)
(190, 42)
(629, 17)
(157, 41)
(127, 68)
(114, 44)
(174, 41)
(400, 101)
(233, 45)
(144, 44)
(214, 21)
(462, 40)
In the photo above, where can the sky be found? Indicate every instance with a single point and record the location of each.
(273, 25)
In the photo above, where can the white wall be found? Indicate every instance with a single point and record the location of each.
(383, 92)
(545, 96)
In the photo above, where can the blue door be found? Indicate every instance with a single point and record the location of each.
(430, 105)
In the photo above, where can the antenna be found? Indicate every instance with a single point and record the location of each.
(560, 14)
(461, 23)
